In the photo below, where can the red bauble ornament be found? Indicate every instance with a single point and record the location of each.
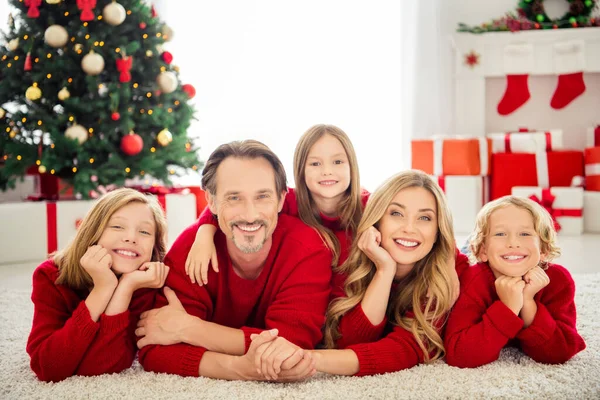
(142, 25)
(189, 90)
(27, 65)
(167, 57)
(115, 116)
(132, 144)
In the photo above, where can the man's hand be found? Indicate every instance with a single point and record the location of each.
(163, 325)
(270, 357)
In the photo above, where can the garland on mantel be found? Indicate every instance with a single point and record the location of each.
(531, 15)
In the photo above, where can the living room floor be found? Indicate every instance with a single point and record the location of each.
(579, 255)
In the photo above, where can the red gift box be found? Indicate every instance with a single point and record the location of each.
(592, 169)
(555, 168)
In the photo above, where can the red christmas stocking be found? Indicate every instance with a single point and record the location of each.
(515, 95)
(570, 86)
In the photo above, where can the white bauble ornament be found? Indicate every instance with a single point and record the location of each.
(63, 94)
(77, 132)
(56, 36)
(167, 81)
(13, 44)
(114, 14)
(92, 63)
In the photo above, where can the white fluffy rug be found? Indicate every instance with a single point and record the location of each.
(513, 376)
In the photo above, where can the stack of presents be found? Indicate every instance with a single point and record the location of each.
(527, 163)
(36, 227)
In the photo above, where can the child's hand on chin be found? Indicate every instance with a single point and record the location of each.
(148, 275)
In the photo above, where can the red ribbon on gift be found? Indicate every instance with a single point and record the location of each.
(597, 136)
(33, 5)
(442, 183)
(86, 7)
(160, 192)
(547, 200)
(524, 130)
(124, 66)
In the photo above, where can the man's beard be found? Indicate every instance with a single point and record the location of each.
(249, 246)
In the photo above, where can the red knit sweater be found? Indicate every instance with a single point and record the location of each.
(64, 341)
(291, 294)
(480, 325)
(396, 351)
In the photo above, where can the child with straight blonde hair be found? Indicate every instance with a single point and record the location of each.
(328, 197)
(514, 295)
(87, 298)
(400, 286)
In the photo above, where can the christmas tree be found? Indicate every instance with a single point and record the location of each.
(88, 95)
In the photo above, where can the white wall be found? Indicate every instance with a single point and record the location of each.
(268, 70)
(536, 113)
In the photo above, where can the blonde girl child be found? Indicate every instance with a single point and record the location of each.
(514, 296)
(399, 286)
(327, 197)
(88, 296)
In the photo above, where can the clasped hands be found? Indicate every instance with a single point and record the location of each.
(514, 292)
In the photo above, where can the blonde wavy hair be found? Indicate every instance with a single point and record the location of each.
(411, 293)
(349, 209)
(89, 232)
(542, 223)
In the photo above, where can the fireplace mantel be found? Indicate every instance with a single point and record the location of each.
(536, 50)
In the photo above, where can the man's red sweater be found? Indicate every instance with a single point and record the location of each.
(480, 325)
(290, 294)
(397, 350)
(64, 341)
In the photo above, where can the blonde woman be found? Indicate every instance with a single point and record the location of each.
(514, 296)
(402, 275)
(87, 297)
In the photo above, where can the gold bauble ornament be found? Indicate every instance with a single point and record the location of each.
(77, 132)
(53, 1)
(149, 53)
(164, 137)
(56, 36)
(2, 112)
(167, 81)
(42, 169)
(33, 93)
(92, 63)
(64, 94)
(167, 33)
(13, 133)
(114, 14)
(13, 44)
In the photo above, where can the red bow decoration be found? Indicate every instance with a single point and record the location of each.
(546, 202)
(124, 66)
(33, 5)
(86, 7)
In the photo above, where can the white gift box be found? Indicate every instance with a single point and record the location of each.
(32, 230)
(527, 141)
(591, 210)
(564, 203)
(465, 195)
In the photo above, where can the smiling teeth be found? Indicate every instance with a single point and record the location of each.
(406, 243)
(512, 258)
(126, 253)
(328, 183)
(249, 228)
